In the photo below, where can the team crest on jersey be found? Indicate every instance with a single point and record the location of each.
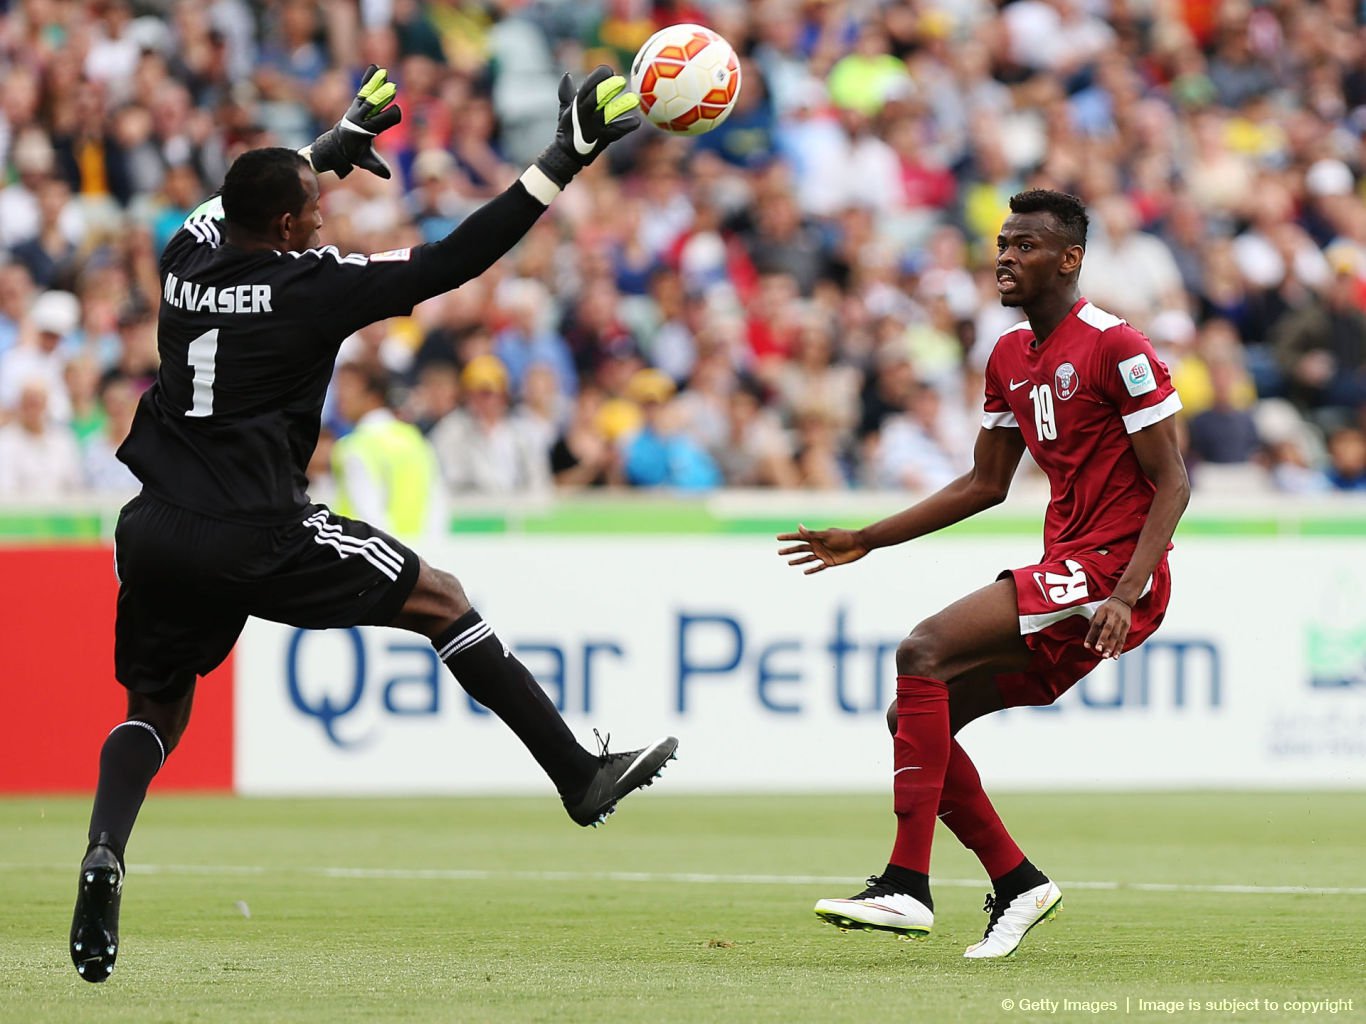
(1065, 381)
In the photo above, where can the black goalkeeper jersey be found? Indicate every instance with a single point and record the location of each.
(248, 339)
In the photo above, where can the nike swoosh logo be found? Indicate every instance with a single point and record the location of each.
(1039, 901)
(913, 768)
(1016, 387)
(580, 143)
(1038, 580)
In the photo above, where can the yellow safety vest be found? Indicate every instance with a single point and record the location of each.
(399, 459)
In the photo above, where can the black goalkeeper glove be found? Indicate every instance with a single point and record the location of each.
(591, 118)
(351, 142)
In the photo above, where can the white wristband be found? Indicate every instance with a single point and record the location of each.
(538, 183)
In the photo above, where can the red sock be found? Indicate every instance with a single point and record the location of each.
(965, 809)
(920, 753)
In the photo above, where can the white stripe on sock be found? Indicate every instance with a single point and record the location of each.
(151, 729)
(476, 634)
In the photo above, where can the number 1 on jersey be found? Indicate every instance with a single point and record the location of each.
(202, 353)
(1044, 424)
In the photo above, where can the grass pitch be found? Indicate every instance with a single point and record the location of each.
(684, 909)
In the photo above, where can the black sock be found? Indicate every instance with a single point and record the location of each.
(132, 754)
(1021, 878)
(497, 680)
(912, 883)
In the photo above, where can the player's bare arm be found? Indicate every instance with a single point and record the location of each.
(995, 458)
(1159, 454)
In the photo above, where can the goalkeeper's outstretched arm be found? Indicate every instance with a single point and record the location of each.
(592, 117)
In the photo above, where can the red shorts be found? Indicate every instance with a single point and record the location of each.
(1056, 600)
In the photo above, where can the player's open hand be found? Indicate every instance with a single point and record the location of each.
(821, 549)
(1109, 628)
(351, 141)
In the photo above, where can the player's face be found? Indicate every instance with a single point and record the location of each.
(303, 231)
(1032, 259)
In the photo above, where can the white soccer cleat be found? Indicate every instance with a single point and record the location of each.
(1011, 922)
(880, 908)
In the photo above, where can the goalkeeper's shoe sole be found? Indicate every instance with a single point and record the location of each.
(95, 923)
(618, 776)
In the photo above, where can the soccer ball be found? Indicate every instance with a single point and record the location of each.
(688, 79)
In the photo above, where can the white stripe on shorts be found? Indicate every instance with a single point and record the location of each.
(372, 549)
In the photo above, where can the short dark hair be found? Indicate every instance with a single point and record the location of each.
(374, 378)
(261, 185)
(1066, 209)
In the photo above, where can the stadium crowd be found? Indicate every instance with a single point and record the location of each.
(803, 298)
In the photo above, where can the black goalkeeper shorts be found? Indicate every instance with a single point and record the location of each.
(187, 583)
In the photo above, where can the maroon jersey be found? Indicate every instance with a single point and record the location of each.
(1075, 398)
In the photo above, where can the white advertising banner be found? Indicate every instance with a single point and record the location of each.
(777, 681)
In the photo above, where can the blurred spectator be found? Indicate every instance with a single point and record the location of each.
(435, 395)
(49, 254)
(104, 473)
(1322, 345)
(39, 460)
(20, 212)
(814, 378)
(53, 317)
(385, 471)
(922, 448)
(479, 448)
(661, 454)
(1224, 432)
(528, 338)
(16, 293)
(1347, 459)
(754, 452)
(858, 186)
(1127, 271)
(819, 463)
(584, 455)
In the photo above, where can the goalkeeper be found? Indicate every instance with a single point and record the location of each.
(253, 310)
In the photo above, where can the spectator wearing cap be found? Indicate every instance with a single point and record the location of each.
(480, 449)
(53, 317)
(661, 454)
(39, 459)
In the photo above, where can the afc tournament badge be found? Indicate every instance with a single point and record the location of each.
(1065, 381)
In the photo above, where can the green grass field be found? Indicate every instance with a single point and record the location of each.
(681, 909)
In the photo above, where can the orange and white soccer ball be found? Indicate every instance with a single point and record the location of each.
(688, 79)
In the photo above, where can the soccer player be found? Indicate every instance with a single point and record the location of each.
(253, 311)
(1086, 394)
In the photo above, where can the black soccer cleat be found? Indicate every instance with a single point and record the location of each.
(619, 775)
(95, 924)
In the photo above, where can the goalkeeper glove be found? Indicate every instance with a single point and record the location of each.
(591, 118)
(351, 141)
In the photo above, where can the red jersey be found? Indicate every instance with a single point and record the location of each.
(1076, 397)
